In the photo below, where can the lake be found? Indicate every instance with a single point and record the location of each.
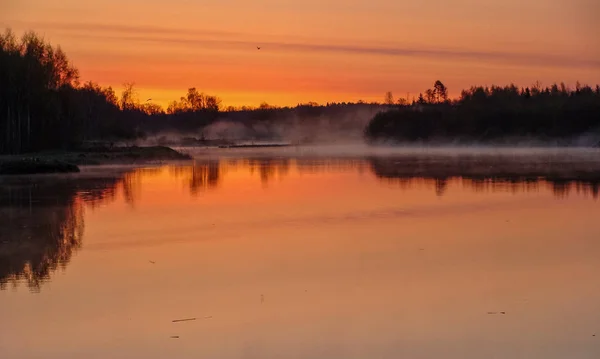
(306, 254)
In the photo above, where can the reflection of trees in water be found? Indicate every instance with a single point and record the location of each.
(202, 176)
(564, 188)
(268, 168)
(440, 186)
(42, 224)
(506, 184)
(329, 165)
(36, 241)
(480, 176)
(206, 175)
(42, 218)
(131, 183)
(272, 168)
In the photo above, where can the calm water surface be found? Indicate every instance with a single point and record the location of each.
(297, 258)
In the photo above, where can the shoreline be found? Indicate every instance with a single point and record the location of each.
(69, 161)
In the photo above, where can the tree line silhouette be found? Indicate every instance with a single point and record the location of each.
(43, 106)
(493, 113)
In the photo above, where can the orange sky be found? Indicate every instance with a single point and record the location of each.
(335, 50)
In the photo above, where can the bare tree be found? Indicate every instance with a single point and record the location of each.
(430, 96)
(151, 109)
(212, 103)
(440, 91)
(129, 98)
(389, 98)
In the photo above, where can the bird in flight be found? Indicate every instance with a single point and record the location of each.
(258, 47)
(149, 100)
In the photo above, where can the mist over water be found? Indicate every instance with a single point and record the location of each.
(301, 125)
(351, 148)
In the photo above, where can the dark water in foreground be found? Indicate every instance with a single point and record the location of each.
(285, 257)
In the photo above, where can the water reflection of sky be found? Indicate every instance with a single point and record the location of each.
(48, 213)
(348, 254)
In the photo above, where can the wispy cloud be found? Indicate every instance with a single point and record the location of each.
(444, 53)
(528, 59)
(118, 29)
(231, 40)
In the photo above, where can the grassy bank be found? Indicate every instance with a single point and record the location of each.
(67, 162)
